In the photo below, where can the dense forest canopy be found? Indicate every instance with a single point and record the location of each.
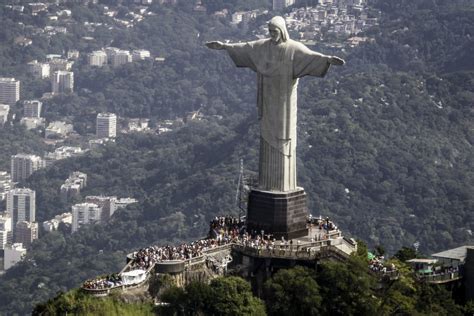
(385, 143)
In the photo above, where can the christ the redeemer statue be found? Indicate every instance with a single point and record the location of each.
(279, 62)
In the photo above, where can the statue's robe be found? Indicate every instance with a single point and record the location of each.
(278, 67)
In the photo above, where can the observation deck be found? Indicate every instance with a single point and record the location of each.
(220, 254)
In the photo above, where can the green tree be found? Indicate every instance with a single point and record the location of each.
(436, 300)
(346, 288)
(362, 250)
(76, 302)
(233, 296)
(379, 250)
(405, 253)
(469, 308)
(293, 292)
(175, 298)
(223, 296)
(199, 298)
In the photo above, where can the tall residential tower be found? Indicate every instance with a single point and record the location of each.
(9, 90)
(62, 82)
(23, 166)
(106, 125)
(21, 205)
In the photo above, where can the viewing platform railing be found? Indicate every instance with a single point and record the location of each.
(387, 275)
(441, 278)
(303, 251)
(106, 291)
(202, 258)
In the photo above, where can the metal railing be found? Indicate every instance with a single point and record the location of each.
(387, 275)
(106, 291)
(441, 278)
(97, 292)
(308, 251)
(202, 258)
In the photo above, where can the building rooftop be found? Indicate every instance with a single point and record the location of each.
(455, 253)
(422, 260)
(8, 79)
(21, 191)
(17, 247)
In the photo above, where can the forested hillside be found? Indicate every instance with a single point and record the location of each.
(385, 143)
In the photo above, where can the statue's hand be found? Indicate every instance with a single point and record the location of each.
(333, 60)
(215, 45)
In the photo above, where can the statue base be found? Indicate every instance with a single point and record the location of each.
(283, 214)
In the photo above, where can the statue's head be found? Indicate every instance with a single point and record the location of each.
(277, 29)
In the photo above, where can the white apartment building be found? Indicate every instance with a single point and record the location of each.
(97, 143)
(37, 7)
(73, 185)
(78, 176)
(109, 51)
(84, 214)
(58, 129)
(21, 205)
(9, 90)
(6, 233)
(120, 57)
(69, 190)
(138, 125)
(62, 152)
(39, 70)
(62, 82)
(50, 57)
(32, 122)
(124, 202)
(53, 224)
(5, 184)
(107, 203)
(97, 58)
(4, 111)
(72, 54)
(32, 108)
(60, 64)
(23, 166)
(106, 125)
(140, 54)
(13, 254)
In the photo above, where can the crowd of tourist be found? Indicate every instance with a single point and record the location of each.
(222, 230)
(322, 223)
(225, 229)
(147, 257)
(377, 264)
(101, 283)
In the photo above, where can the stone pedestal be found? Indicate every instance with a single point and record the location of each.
(278, 213)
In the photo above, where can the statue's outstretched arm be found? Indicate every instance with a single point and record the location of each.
(215, 45)
(304, 50)
(334, 60)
